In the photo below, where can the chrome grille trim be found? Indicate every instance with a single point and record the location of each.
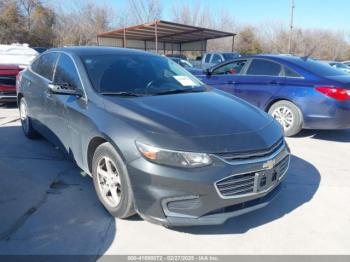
(237, 181)
(282, 165)
(249, 155)
(255, 159)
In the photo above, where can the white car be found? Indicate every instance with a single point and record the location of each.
(341, 66)
(18, 54)
(346, 63)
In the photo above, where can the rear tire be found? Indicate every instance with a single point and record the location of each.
(26, 121)
(288, 115)
(112, 182)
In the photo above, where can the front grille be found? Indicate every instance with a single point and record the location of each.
(253, 182)
(8, 80)
(282, 167)
(179, 206)
(248, 155)
(236, 185)
(247, 204)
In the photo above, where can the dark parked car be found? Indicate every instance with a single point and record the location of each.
(8, 75)
(298, 92)
(40, 49)
(213, 58)
(180, 56)
(153, 137)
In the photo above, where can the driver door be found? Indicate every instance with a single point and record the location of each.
(226, 75)
(65, 110)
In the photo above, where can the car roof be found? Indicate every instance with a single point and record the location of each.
(278, 58)
(98, 50)
(220, 52)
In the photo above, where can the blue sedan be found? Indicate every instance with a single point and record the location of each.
(300, 93)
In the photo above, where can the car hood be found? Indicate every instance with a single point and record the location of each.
(8, 67)
(197, 118)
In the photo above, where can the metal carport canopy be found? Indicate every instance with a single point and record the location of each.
(164, 34)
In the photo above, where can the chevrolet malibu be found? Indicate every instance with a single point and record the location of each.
(155, 140)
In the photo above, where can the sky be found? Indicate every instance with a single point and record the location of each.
(323, 14)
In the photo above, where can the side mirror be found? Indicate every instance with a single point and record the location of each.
(208, 71)
(64, 89)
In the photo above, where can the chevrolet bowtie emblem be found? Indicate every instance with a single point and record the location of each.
(269, 164)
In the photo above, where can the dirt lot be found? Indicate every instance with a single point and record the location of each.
(48, 207)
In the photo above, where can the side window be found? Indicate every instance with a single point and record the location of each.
(34, 65)
(230, 68)
(216, 59)
(290, 73)
(45, 65)
(66, 72)
(207, 58)
(261, 67)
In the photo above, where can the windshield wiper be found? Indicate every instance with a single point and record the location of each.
(178, 91)
(120, 94)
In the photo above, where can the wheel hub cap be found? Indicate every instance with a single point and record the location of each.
(284, 116)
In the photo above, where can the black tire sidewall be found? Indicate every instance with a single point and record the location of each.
(30, 132)
(125, 207)
(297, 116)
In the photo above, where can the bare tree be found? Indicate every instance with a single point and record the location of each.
(142, 11)
(45, 22)
(11, 23)
(27, 7)
(82, 23)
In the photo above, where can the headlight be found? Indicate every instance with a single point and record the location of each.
(173, 158)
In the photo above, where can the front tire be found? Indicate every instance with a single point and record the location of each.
(26, 121)
(288, 115)
(112, 182)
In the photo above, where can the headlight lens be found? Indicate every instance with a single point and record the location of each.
(173, 158)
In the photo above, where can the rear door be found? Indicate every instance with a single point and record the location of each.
(260, 81)
(35, 87)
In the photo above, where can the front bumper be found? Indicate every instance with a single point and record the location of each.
(8, 97)
(185, 197)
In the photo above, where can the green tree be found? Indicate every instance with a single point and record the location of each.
(42, 22)
(11, 23)
(248, 42)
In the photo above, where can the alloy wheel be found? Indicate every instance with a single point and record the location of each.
(24, 115)
(109, 183)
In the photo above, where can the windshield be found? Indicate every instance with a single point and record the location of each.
(140, 74)
(319, 68)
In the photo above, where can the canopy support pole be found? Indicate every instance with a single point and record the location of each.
(124, 38)
(233, 43)
(156, 36)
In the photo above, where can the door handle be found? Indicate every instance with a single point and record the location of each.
(231, 82)
(48, 94)
(273, 82)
